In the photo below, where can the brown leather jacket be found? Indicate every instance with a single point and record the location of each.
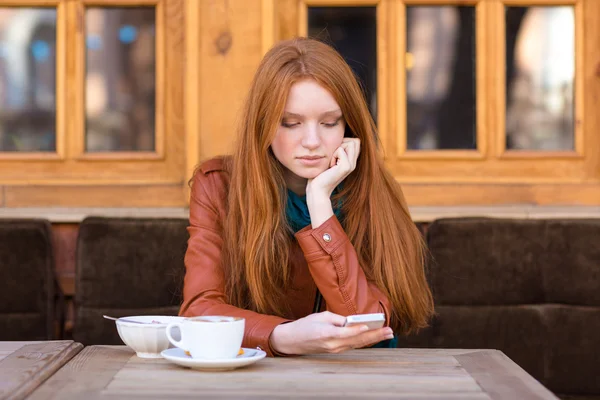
(322, 256)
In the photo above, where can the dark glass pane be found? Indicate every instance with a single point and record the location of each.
(27, 79)
(120, 79)
(353, 33)
(540, 78)
(440, 77)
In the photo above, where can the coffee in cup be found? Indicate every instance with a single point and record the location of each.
(209, 337)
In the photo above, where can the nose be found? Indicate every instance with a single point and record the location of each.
(311, 138)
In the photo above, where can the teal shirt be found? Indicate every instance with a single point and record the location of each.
(296, 211)
(387, 344)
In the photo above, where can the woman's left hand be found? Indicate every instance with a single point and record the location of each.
(342, 163)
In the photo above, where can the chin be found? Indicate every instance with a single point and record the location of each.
(308, 173)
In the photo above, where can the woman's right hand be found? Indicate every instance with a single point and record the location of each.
(324, 333)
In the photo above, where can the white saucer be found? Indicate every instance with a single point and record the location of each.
(178, 356)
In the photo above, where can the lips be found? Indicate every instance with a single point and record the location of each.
(310, 161)
(310, 158)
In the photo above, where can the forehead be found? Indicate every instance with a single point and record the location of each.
(307, 97)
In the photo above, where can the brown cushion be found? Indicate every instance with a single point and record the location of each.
(481, 261)
(518, 331)
(133, 264)
(529, 288)
(27, 284)
(570, 264)
(573, 349)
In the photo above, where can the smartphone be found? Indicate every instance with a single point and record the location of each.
(373, 321)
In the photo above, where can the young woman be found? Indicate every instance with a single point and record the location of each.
(304, 206)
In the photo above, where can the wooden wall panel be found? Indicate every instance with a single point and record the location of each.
(453, 194)
(230, 46)
(168, 195)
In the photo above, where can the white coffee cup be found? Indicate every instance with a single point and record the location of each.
(209, 337)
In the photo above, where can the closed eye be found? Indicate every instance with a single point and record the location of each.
(332, 124)
(289, 124)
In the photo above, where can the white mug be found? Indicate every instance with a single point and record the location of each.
(209, 337)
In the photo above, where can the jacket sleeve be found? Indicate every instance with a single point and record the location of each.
(334, 266)
(203, 289)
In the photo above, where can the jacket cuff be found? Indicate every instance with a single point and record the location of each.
(324, 239)
(259, 336)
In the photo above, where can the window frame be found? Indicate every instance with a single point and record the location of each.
(490, 174)
(72, 177)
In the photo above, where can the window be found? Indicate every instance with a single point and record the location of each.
(478, 102)
(114, 102)
(92, 100)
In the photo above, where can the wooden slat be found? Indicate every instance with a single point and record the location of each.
(341, 3)
(173, 17)
(76, 76)
(496, 51)
(431, 213)
(501, 378)
(437, 154)
(230, 43)
(86, 374)
(482, 80)
(114, 371)
(6, 348)
(385, 21)
(268, 24)
(95, 196)
(579, 80)
(532, 154)
(29, 3)
(192, 94)
(540, 171)
(62, 107)
(25, 156)
(119, 3)
(74, 215)
(417, 194)
(286, 19)
(488, 194)
(507, 2)
(302, 18)
(442, 2)
(395, 143)
(160, 80)
(29, 364)
(540, 2)
(73, 124)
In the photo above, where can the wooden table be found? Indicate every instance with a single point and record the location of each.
(114, 372)
(25, 365)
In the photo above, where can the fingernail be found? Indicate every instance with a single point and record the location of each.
(364, 328)
(389, 331)
(390, 336)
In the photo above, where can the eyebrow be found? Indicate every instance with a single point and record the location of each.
(325, 114)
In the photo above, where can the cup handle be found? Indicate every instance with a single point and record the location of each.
(177, 343)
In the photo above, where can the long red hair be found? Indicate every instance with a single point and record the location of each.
(376, 218)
